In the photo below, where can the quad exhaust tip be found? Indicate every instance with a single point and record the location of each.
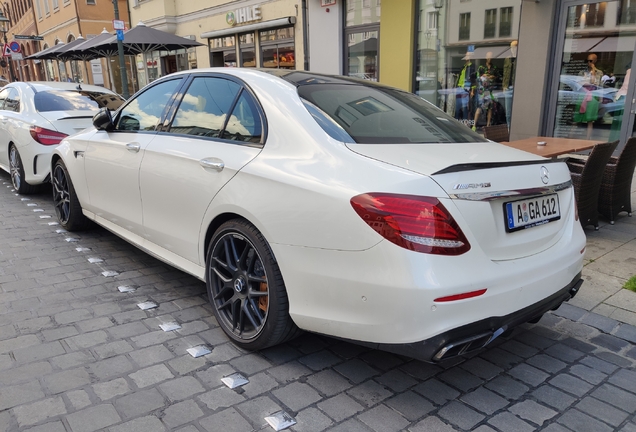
(467, 345)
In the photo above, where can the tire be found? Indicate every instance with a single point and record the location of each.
(67, 206)
(246, 288)
(16, 170)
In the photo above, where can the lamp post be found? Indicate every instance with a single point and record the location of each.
(122, 62)
(4, 28)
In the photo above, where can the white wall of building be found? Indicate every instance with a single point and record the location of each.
(325, 37)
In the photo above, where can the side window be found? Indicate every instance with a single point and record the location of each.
(144, 112)
(3, 96)
(244, 123)
(12, 103)
(204, 107)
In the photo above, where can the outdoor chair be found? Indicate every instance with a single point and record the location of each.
(587, 178)
(497, 133)
(615, 194)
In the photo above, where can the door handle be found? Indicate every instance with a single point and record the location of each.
(133, 147)
(214, 163)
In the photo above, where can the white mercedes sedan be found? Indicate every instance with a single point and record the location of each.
(331, 205)
(35, 116)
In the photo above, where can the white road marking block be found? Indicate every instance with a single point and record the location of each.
(80, 249)
(198, 351)
(127, 288)
(71, 239)
(280, 420)
(147, 305)
(45, 217)
(25, 199)
(53, 223)
(38, 210)
(234, 380)
(61, 231)
(171, 326)
(109, 273)
(95, 260)
(32, 205)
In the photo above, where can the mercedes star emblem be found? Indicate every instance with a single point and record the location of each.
(545, 175)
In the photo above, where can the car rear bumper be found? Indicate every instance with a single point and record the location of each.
(474, 336)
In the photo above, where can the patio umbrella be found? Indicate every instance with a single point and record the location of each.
(142, 39)
(45, 52)
(83, 52)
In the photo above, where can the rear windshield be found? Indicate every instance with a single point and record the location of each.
(383, 115)
(71, 100)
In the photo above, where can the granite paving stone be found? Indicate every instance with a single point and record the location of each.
(340, 407)
(602, 411)
(382, 418)
(181, 413)
(311, 420)
(532, 411)
(460, 415)
(140, 402)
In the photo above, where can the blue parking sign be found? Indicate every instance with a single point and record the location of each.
(120, 35)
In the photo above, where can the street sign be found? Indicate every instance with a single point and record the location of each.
(15, 47)
(16, 56)
(27, 37)
(6, 51)
(120, 35)
(119, 24)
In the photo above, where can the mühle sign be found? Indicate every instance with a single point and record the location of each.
(243, 15)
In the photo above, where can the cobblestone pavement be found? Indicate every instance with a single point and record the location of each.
(77, 355)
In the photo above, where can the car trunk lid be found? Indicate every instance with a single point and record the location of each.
(480, 179)
(69, 122)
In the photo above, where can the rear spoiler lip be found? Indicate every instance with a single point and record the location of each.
(485, 165)
(74, 117)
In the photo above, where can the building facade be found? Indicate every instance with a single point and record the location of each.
(22, 23)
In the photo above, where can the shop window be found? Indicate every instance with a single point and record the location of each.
(490, 24)
(277, 48)
(627, 12)
(246, 49)
(223, 52)
(464, 26)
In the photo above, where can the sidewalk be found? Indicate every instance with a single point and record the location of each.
(610, 260)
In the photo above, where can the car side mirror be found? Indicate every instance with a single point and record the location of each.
(103, 120)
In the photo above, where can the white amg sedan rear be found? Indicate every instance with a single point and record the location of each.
(35, 116)
(330, 205)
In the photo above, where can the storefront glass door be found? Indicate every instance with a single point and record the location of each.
(595, 80)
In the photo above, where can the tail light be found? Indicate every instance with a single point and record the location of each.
(421, 224)
(46, 136)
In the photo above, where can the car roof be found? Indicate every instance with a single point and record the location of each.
(38, 86)
(294, 77)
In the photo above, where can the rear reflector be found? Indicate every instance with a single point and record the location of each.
(46, 136)
(461, 296)
(421, 224)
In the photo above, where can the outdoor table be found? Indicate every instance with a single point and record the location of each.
(554, 146)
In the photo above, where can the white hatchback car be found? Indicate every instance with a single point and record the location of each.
(331, 205)
(35, 116)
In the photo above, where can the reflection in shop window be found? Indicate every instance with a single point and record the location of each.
(464, 26)
(627, 12)
(505, 22)
(490, 24)
(587, 15)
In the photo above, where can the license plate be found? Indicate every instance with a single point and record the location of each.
(530, 212)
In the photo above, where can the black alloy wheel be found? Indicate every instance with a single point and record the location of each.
(245, 287)
(16, 170)
(67, 206)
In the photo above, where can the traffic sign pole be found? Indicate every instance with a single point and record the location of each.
(122, 61)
